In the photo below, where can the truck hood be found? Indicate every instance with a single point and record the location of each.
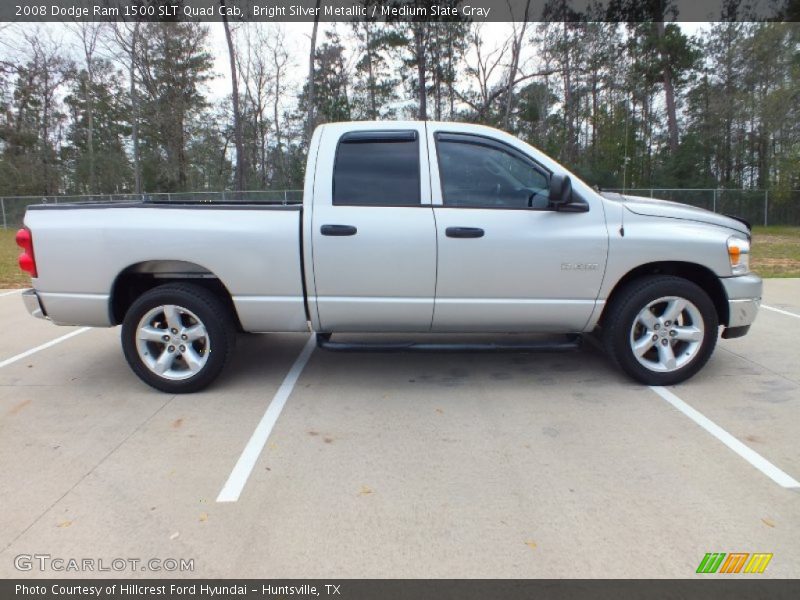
(675, 210)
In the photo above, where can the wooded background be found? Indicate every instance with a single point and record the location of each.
(622, 104)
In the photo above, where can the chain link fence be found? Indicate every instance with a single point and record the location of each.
(13, 208)
(759, 207)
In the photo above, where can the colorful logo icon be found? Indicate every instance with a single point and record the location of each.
(734, 562)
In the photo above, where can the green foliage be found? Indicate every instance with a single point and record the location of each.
(743, 112)
(30, 126)
(332, 102)
(173, 65)
(95, 158)
(375, 86)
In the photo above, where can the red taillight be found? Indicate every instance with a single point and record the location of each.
(27, 261)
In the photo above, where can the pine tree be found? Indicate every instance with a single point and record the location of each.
(173, 64)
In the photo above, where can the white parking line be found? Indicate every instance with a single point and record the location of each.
(11, 293)
(750, 455)
(780, 310)
(45, 346)
(244, 466)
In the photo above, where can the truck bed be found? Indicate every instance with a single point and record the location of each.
(253, 250)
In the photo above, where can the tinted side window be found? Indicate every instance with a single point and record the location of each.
(377, 172)
(483, 175)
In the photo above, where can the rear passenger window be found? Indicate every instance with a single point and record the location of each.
(377, 169)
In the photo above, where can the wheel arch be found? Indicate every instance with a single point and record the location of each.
(138, 278)
(702, 276)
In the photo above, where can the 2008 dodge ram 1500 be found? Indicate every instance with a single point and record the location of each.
(404, 227)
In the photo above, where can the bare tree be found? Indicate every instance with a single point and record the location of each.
(279, 57)
(46, 71)
(263, 64)
(482, 72)
(516, 51)
(256, 78)
(89, 33)
(368, 29)
(127, 37)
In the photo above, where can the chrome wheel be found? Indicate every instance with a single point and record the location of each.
(172, 342)
(667, 334)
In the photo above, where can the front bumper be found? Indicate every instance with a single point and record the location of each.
(744, 298)
(33, 304)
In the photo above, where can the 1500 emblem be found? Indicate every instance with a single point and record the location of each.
(579, 266)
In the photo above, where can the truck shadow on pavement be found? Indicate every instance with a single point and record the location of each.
(264, 359)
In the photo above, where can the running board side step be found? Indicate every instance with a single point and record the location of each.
(568, 344)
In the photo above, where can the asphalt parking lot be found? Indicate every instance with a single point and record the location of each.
(400, 465)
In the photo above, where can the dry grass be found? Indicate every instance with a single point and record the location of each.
(10, 275)
(776, 253)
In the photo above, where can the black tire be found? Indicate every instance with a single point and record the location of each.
(196, 305)
(622, 327)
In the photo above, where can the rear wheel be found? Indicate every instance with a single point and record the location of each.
(661, 330)
(177, 337)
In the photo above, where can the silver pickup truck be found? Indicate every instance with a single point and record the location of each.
(412, 227)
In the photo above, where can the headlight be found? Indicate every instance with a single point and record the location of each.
(739, 255)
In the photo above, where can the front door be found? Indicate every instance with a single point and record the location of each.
(508, 263)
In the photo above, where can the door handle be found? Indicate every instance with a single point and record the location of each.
(338, 230)
(464, 232)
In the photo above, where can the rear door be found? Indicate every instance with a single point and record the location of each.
(373, 231)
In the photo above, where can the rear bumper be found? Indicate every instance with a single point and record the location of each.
(744, 299)
(33, 304)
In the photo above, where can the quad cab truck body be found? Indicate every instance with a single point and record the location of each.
(405, 227)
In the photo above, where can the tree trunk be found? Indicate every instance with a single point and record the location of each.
(90, 137)
(437, 74)
(183, 176)
(419, 44)
(137, 167)
(594, 116)
(311, 84)
(262, 129)
(241, 159)
(46, 133)
(278, 144)
(373, 106)
(516, 49)
(89, 38)
(451, 91)
(568, 108)
(669, 92)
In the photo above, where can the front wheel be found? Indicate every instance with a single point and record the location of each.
(661, 330)
(177, 337)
